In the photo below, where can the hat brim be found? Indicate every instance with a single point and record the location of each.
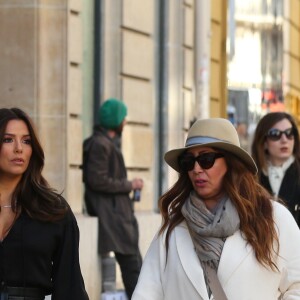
(171, 157)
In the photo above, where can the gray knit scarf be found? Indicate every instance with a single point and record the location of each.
(209, 230)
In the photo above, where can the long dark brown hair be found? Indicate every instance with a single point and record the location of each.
(33, 193)
(264, 125)
(251, 200)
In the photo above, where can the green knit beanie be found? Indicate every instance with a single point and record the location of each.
(112, 113)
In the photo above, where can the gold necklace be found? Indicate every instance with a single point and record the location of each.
(6, 232)
(5, 206)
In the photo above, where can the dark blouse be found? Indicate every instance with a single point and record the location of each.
(44, 255)
(289, 190)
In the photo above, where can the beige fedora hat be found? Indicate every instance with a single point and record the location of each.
(215, 132)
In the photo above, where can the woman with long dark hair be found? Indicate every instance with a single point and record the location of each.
(39, 236)
(276, 151)
(222, 236)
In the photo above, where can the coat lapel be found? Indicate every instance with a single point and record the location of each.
(189, 259)
(234, 253)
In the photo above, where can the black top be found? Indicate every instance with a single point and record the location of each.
(43, 255)
(289, 190)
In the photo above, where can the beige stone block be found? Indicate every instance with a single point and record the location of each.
(138, 96)
(49, 4)
(75, 38)
(149, 224)
(215, 108)
(188, 26)
(88, 255)
(74, 189)
(188, 68)
(287, 67)
(139, 15)
(75, 5)
(215, 42)
(50, 56)
(189, 108)
(137, 146)
(295, 72)
(294, 11)
(189, 2)
(216, 7)
(17, 54)
(147, 193)
(295, 94)
(215, 80)
(74, 90)
(138, 55)
(294, 41)
(52, 134)
(74, 141)
(31, 3)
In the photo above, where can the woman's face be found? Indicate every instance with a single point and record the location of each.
(280, 150)
(15, 150)
(208, 183)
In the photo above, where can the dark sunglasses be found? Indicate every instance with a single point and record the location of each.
(275, 134)
(205, 160)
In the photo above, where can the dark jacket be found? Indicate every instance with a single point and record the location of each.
(289, 190)
(107, 188)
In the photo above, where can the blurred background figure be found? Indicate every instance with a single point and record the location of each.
(275, 149)
(107, 195)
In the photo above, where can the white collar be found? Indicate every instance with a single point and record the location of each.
(276, 174)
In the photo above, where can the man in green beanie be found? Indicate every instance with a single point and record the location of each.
(112, 113)
(107, 192)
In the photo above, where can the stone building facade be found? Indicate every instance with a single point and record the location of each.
(61, 58)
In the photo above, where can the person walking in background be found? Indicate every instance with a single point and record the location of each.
(39, 236)
(276, 151)
(222, 237)
(107, 193)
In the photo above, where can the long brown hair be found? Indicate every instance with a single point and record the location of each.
(33, 193)
(263, 126)
(251, 200)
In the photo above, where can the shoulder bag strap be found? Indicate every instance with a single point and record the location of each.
(214, 282)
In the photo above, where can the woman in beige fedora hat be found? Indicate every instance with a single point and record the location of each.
(222, 236)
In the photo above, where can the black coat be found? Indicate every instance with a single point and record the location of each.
(107, 189)
(289, 190)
